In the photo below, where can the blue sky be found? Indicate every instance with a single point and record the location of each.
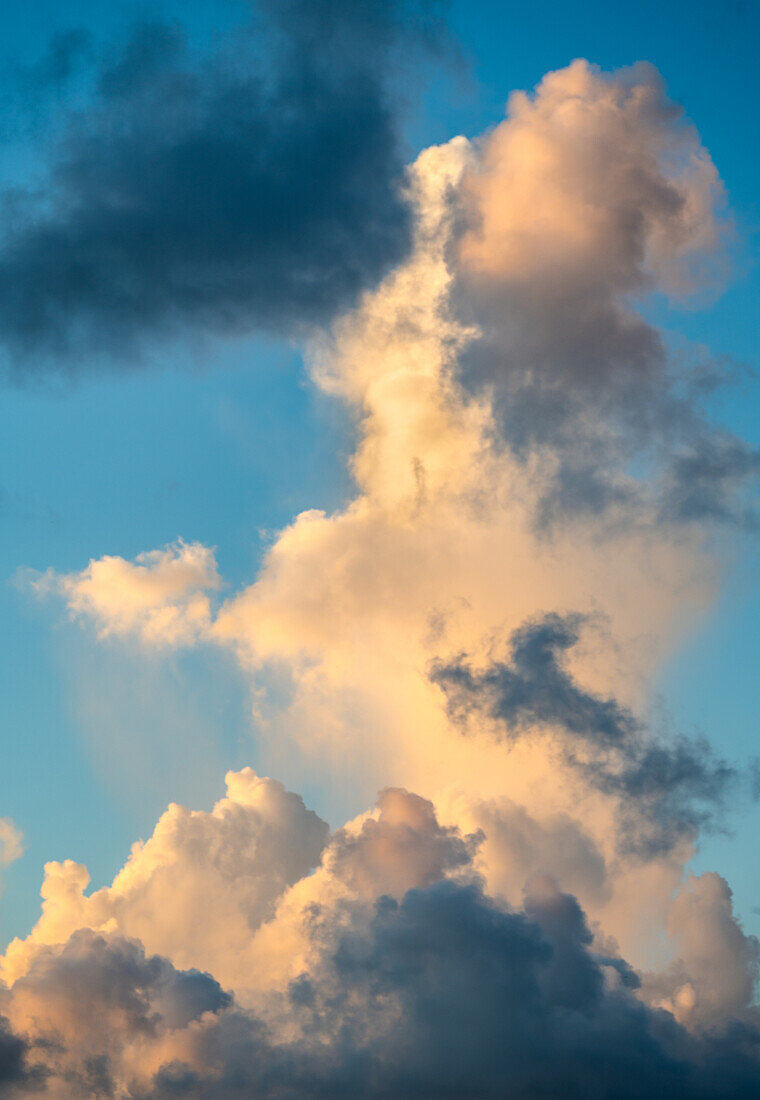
(226, 445)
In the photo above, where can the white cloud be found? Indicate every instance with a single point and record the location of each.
(161, 597)
(197, 889)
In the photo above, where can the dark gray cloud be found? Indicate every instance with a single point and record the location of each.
(12, 1054)
(492, 1002)
(104, 975)
(672, 786)
(443, 994)
(708, 481)
(252, 188)
(447, 995)
(84, 1001)
(632, 447)
(534, 688)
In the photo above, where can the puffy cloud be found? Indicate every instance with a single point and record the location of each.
(517, 844)
(198, 888)
(96, 1010)
(254, 186)
(238, 891)
(444, 547)
(403, 847)
(434, 489)
(12, 1051)
(387, 971)
(591, 189)
(437, 554)
(160, 597)
(593, 192)
(483, 1005)
(439, 546)
(443, 992)
(714, 975)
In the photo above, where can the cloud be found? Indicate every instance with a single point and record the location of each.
(160, 597)
(677, 785)
(523, 922)
(715, 972)
(12, 1051)
(403, 847)
(436, 555)
(593, 193)
(88, 1006)
(484, 1006)
(231, 865)
(435, 990)
(708, 481)
(254, 187)
(11, 842)
(535, 690)
(517, 843)
(592, 188)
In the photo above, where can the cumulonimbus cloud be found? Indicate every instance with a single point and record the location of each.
(523, 922)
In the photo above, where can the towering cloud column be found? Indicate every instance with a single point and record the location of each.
(479, 625)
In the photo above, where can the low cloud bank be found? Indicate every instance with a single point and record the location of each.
(387, 971)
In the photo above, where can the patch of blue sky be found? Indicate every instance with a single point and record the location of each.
(118, 463)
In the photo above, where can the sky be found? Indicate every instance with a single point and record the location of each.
(380, 415)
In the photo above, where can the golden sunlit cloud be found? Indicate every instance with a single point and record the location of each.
(479, 625)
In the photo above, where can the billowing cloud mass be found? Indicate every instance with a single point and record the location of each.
(387, 972)
(257, 185)
(475, 635)
(243, 855)
(591, 193)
